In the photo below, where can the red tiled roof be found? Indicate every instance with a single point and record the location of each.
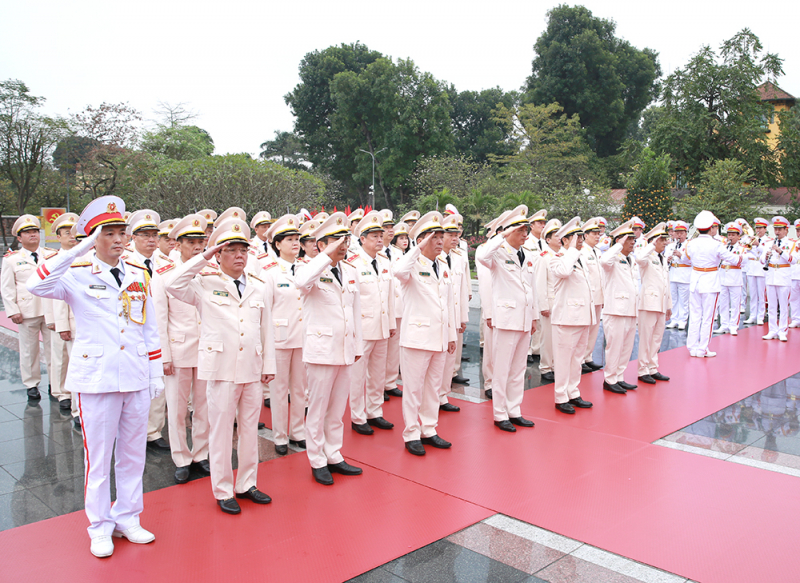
(781, 196)
(771, 92)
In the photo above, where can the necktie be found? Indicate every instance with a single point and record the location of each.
(117, 275)
(388, 252)
(239, 286)
(35, 256)
(149, 265)
(679, 244)
(266, 248)
(436, 269)
(449, 263)
(375, 266)
(335, 271)
(540, 245)
(628, 259)
(661, 258)
(579, 263)
(521, 257)
(293, 269)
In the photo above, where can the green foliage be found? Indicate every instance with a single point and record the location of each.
(712, 111)
(456, 174)
(727, 189)
(789, 147)
(649, 195)
(591, 73)
(286, 149)
(178, 142)
(476, 132)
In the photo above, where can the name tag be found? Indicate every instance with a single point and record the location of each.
(623, 262)
(509, 262)
(22, 263)
(425, 273)
(366, 273)
(97, 287)
(223, 294)
(326, 280)
(283, 285)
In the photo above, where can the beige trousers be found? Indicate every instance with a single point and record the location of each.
(594, 331)
(178, 387)
(288, 419)
(651, 331)
(620, 333)
(392, 360)
(546, 348)
(157, 417)
(569, 344)
(367, 382)
(487, 362)
(510, 362)
(328, 389)
(29, 364)
(422, 379)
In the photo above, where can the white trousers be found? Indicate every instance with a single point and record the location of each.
(328, 389)
(794, 301)
(367, 382)
(59, 361)
(288, 419)
(229, 402)
(107, 418)
(730, 301)
(778, 297)
(569, 348)
(422, 377)
(447, 380)
(594, 332)
(620, 333)
(680, 302)
(546, 349)
(651, 331)
(487, 362)
(758, 294)
(393, 360)
(744, 294)
(179, 387)
(701, 319)
(29, 365)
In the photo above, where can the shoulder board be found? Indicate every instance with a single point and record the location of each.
(48, 253)
(303, 260)
(457, 251)
(249, 274)
(353, 257)
(382, 255)
(165, 258)
(251, 251)
(81, 264)
(442, 260)
(210, 272)
(544, 253)
(10, 253)
(264, 254)
(271, 265)
(134, 264)
(349, 260)
(165, 269)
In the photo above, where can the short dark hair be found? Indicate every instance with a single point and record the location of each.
(277, 239)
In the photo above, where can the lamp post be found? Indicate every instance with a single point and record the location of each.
(372, 189)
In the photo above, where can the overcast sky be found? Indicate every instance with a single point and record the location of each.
(233, 61)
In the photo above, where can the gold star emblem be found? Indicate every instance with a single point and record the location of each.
(112, 207)
(236, 228)
(196, 223)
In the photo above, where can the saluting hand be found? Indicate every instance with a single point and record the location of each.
(623, 240)
(426, 241)
(332, 248)
(211, 251)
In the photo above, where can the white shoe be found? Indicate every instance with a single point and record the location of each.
(761, 322)
(742, 310)
(770, 336)
(710, 354)
(102, 546)
(750, 321)
(672, 325)
(794, 325)
(136, 534)
(734, 331)
(681, 326)
(720, 330)
(783, 338)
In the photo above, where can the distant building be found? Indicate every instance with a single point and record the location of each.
(780, 101)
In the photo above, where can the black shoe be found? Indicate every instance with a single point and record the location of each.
(449, 407)
(659, 377)
(159, 444)
(229, 506)
(586, 368)
(593, 365)
(182, 475)
(76, 422)
(345, 469)
(626, 386)
(615, 388)
(531, 360)
(33, 394)
(322, 476)
(647, 379)
(565, 408)
(255, 495)
(521, 422)
(202, 467)
(578, 402)
(436, 442)
(363, 429)
(506, 425)
(465, 359)
(549, 377)
(385, 396)
(380, 423)
(488, 393)
(460, 380)
(395, 392)
(281, 448)
(301, 443)
(266, 403)
(415, 447)
(65, 405)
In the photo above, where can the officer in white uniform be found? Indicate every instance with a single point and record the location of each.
(756, 275)
(590, 255)
(164, 254)
(778, 260)
(794, 293)
(354, 218)
(545, 290)
(210, 217)
(680, 274)
(731, 281)
(115, 368)
(459, 268)
(23, 308)
(535, 244)
(260, 243)
(398, 248)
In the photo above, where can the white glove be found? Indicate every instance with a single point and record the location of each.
(156, 388)
(86, 245)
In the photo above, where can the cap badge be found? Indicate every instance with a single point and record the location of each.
(374, 219)
(112, 207)
(338, 221)
(236, 228)
(196, 223)
(291, 222)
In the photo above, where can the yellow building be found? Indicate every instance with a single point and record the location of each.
(781, 101)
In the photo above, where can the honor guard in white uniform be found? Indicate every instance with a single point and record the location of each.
(410, 219)
(61, 317)
(285, 303)
(457, 263)
(794, 292)
(166, 245)
(731, 281)
(756, 276)
(619, 309)
(115, 368)
(705, 254)
(778, 260)
(680, 274)
(261, 224)
(590, 255)
(535, 244)
(428, 332)
(378, 323)
(237, 355)
(572, 316)
(23, 308)
(545, 290)
(398, 248)
(332, 342)
(179, 326)
(514, 311)
(655, 303)
(388, 232)
(354, 218)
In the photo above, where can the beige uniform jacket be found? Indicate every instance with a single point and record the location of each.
(545, 281)
(619, 283)
(396, 255)
(484, 285)
(574, 302)
(590, 256)
(179, 322)
(285, 302)
(18, 266)
(236, 339)
(459, 271)
(429, 319)
(655, 295)
(377, 295)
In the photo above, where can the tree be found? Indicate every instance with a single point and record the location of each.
(456, 174)
(286, 149)
(712, 111)
(27, 139)
(476, 132)
(727, 189)
(788, 150)
(649, 196)
(581, 65)
(178, 142)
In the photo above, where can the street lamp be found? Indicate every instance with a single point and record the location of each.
(372, 189)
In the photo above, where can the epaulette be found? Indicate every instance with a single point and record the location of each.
(349, 259)
(271, 265)
(10, 253)
(458, 251)
(251, 251)
(543, 253)
(165, 268)
(81, 264)
(212, 272)
(303, 260)
(353, 257)
(134, 264)
(383, 255)
(48, 253)
(442, 260)
(255, 277)
(165, 258)
(264, 254)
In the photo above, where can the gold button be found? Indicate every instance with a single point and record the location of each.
(240, 349)
(241, 320)
(241, 305)
(172, 340)
(209, 348)
(122, 348)
(300, 309)
(301, 319)
(242, 334)
(85, 356)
